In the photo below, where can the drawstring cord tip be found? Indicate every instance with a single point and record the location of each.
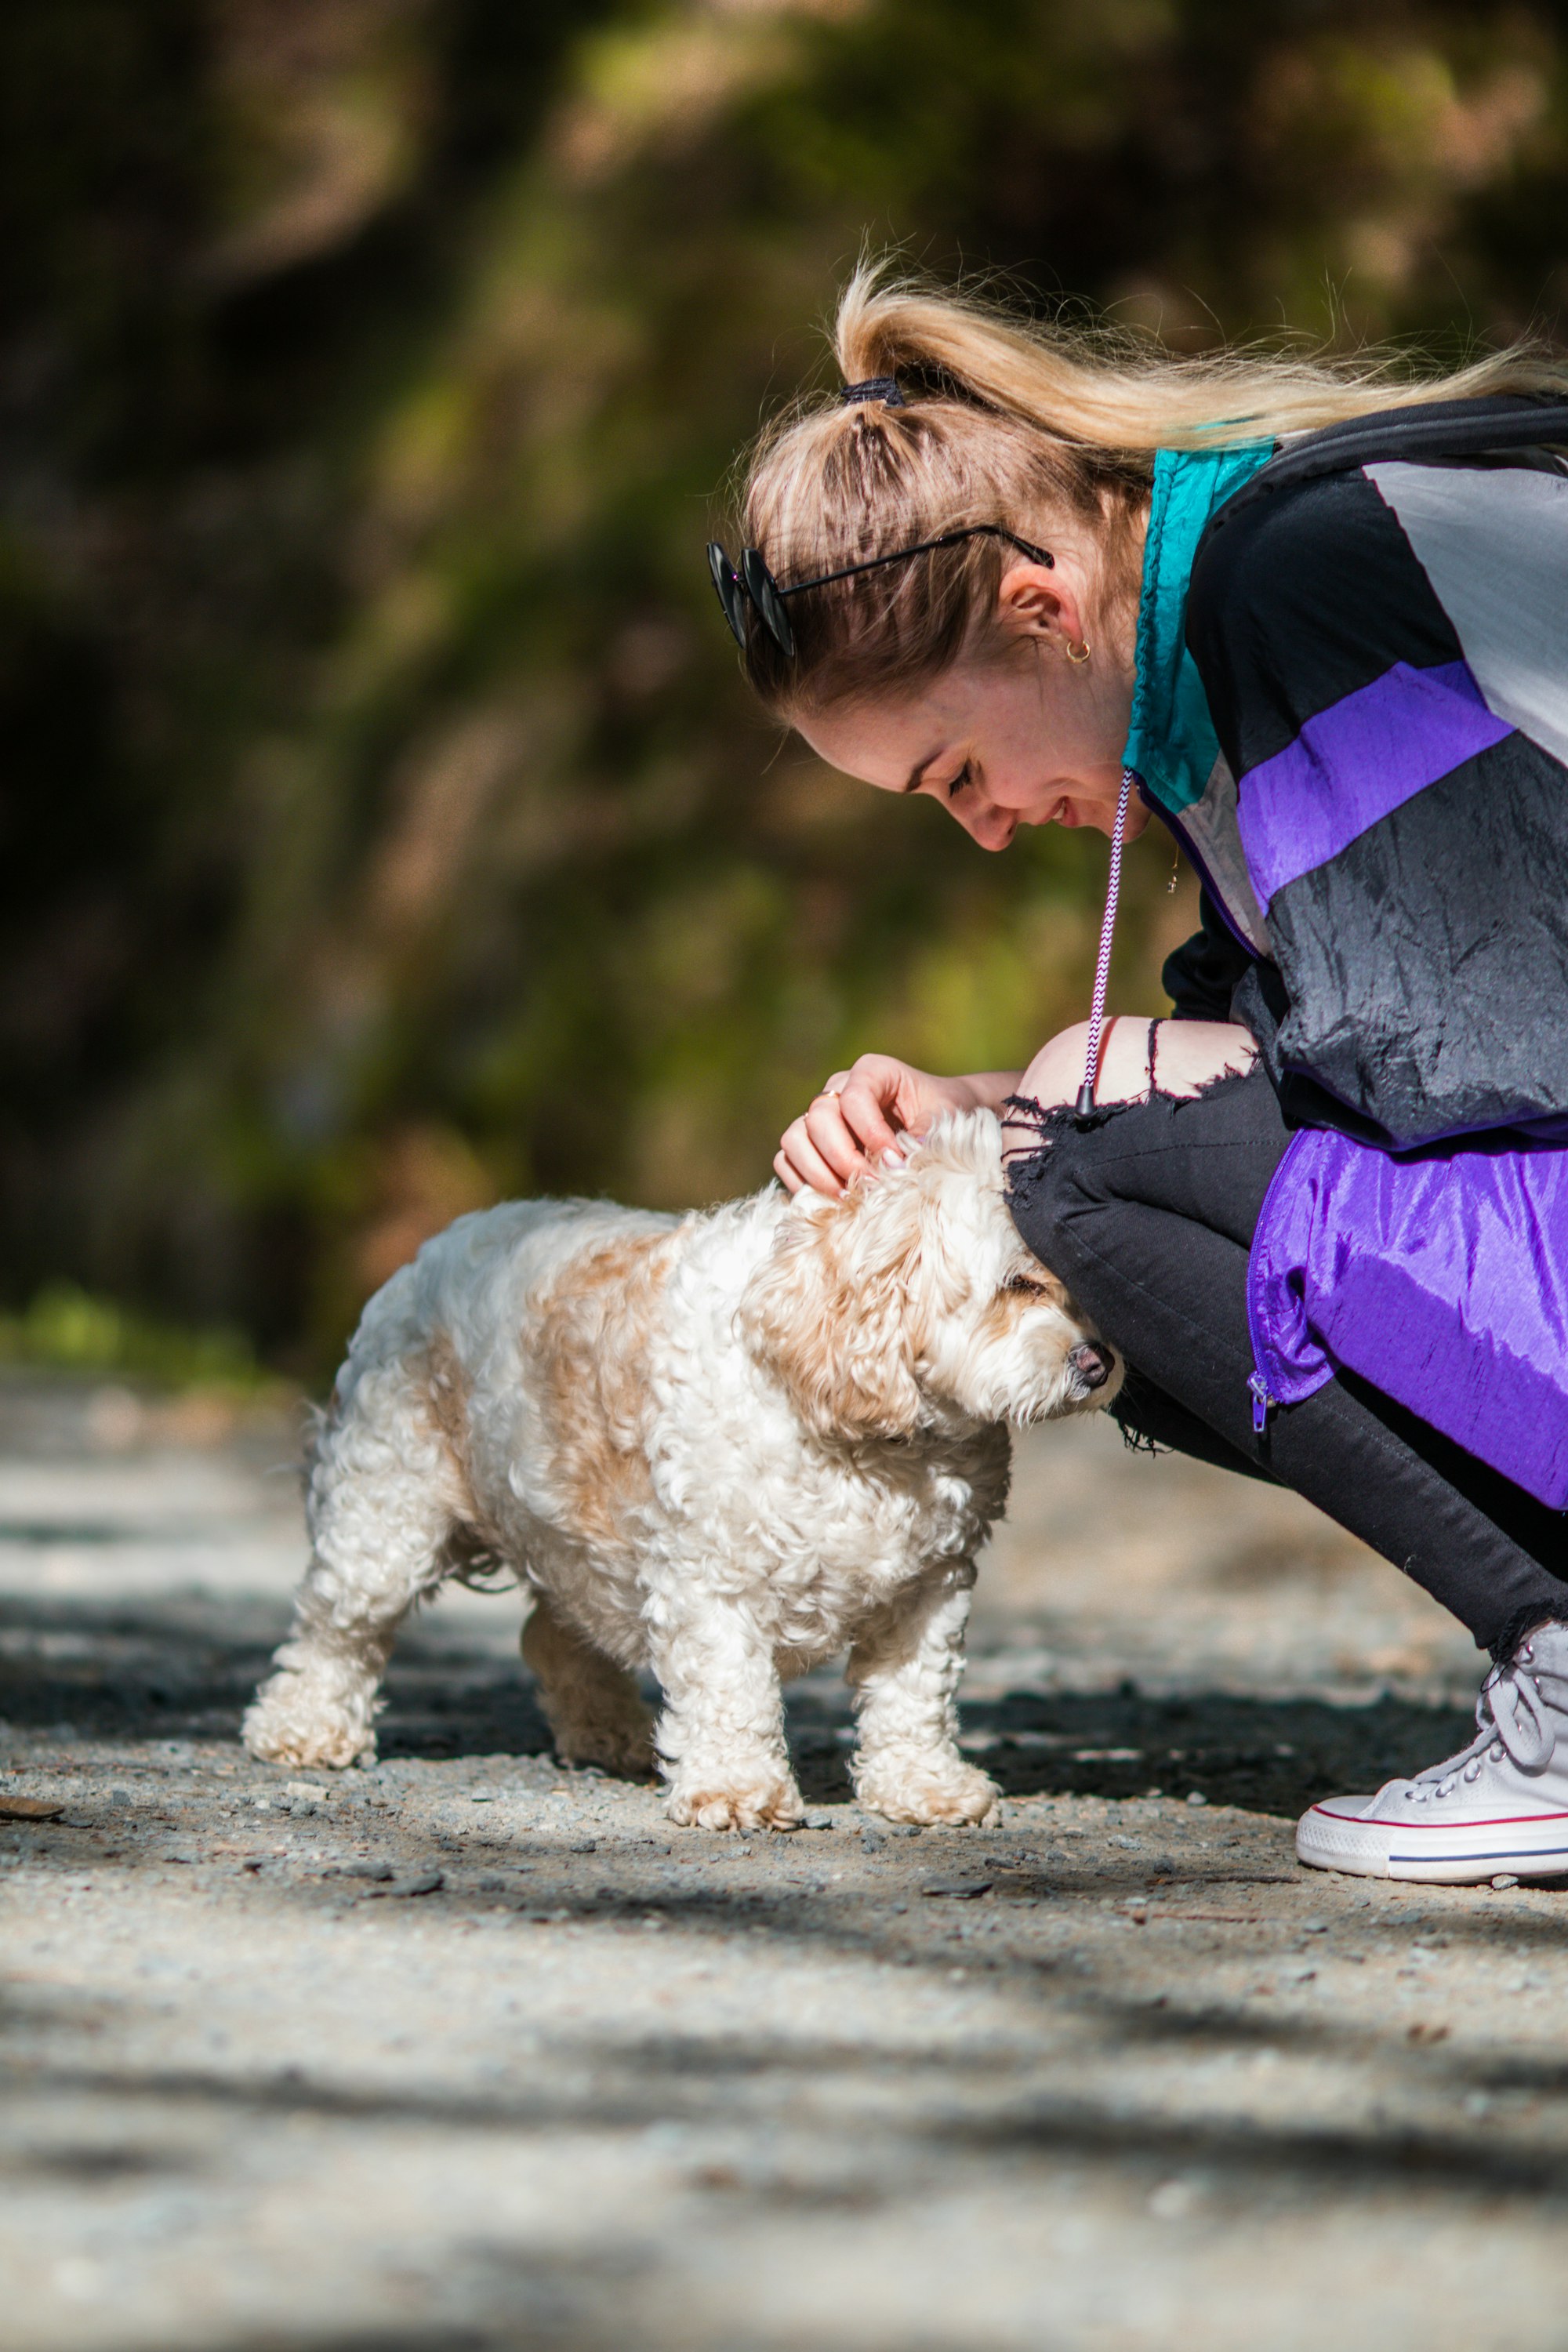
(1084, 1107)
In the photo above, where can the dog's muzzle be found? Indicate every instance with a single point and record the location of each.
(1092, 1364)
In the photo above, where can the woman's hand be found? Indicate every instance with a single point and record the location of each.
(854, 1124)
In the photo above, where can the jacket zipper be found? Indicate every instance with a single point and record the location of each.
(1264, 1401)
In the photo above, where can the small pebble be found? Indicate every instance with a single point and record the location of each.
(1505, 1878)
(1172, 2200)
(1196, 1797)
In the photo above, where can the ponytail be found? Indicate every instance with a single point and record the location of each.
(1003, 419)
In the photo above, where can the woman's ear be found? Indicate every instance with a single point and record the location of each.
(831, 1311)
(1032, 602)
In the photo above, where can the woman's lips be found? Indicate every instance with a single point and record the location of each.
(1058, 813)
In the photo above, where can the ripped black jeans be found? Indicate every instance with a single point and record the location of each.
(1148, 1216)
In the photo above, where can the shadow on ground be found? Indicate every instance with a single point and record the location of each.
(185, 1670)
(629, 2084)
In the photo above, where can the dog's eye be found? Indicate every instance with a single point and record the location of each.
(1026, 1282)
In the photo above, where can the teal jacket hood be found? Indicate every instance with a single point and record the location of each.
(1172, 746)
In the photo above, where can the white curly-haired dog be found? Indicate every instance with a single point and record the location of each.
(724, 1446)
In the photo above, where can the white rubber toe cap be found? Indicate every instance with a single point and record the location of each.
(1336, 1835)
(1388, 1836)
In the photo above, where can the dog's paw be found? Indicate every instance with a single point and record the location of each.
(930, 1790)
(279, 1728)
(772, 1804)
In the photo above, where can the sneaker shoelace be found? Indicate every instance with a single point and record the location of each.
(1511, 1720)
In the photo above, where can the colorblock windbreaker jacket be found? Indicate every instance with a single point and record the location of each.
(1353, 709)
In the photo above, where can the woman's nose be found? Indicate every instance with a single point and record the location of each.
(992, 827)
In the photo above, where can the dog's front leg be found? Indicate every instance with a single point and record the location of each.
(904, 1671)
(721, 1738)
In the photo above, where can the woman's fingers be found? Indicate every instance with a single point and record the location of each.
(798, 1162)
(833, 1139)
(864, 1100)
(853, 1126)
(833, 1142)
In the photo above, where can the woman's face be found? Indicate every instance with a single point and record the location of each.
(1024, 735)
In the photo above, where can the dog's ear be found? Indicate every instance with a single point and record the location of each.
(834, 1311)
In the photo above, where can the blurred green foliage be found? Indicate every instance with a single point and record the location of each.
(66, 1330)
(386, 827)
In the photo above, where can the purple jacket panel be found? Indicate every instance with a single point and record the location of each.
(1441, 1277)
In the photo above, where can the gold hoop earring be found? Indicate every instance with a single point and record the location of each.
(1079, 656)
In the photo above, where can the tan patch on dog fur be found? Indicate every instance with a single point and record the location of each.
(1003, 1311)
(839, 1327)
(448, 1392)
(473, 1550)
(590, 1346)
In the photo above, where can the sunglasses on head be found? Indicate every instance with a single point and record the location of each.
(754, 586)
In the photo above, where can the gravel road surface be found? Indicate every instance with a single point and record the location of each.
(468, 2052)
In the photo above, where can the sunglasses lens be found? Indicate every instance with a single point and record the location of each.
(731, 595)
(763, 590)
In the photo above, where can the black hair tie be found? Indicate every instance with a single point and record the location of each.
(876, 387)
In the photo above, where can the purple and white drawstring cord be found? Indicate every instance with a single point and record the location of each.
(1102, 961)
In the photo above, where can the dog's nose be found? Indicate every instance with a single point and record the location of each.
(1091, 1362)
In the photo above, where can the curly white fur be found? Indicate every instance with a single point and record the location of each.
(725, 1446)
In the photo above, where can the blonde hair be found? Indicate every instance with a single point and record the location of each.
(1004, 421)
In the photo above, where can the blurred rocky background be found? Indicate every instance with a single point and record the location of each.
(384, 827)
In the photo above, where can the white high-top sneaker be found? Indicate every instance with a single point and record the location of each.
(1501, 1805)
